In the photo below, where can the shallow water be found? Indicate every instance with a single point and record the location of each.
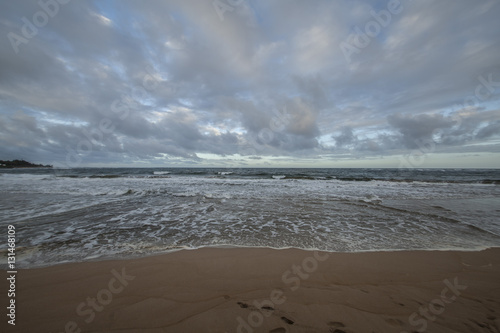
(88, 214)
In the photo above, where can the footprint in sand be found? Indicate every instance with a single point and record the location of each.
(336, 328)
(288, 321)
(243, 305)
(278, 330)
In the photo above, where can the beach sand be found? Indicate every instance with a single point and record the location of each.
(265, 290)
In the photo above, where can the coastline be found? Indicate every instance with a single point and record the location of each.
(265, 290)
(144, 255)
(107, 214)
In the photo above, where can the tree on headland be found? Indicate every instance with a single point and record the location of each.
(21, 164)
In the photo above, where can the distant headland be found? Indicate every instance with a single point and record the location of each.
(21, 164)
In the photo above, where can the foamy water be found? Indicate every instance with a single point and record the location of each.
(92, 214)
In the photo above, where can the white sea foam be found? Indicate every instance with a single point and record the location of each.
(68, 219)
(161, 172)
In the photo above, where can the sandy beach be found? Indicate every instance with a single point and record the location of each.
(171, 166)
(265, 290)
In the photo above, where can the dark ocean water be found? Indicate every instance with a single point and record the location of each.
(486, 176)
(66, 215)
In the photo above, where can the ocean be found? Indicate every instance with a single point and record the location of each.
(74, 215)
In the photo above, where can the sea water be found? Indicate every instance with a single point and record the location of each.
(92, 214)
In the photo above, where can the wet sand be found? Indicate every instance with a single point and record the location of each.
(265, 290)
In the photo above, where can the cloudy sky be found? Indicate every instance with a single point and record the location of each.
(345, 83)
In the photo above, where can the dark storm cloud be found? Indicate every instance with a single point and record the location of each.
(171, 80)
(415, 129)
(345, 138)
(490, 130)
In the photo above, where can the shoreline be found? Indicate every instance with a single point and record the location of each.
(124, 257)
(265, 290)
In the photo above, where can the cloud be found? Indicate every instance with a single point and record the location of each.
(269, 80)
(492, 129)
(419, 128)
(345, 138)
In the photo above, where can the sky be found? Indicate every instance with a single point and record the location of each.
(240, 83)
